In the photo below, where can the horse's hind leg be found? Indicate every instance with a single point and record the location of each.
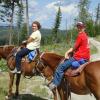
(55, 94)
(18, 76)
(96, 91)
(62, 94)
(97, 96)
(11, 83)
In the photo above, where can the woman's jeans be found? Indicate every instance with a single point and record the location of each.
(60, 71)
(19, 55)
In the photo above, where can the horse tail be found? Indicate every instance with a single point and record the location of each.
(67, 88)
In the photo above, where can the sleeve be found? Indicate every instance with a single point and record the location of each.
(77, 42)
(33, 35)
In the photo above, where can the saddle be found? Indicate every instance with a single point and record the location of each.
(75, 72)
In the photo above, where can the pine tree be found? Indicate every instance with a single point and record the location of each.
(23, 33)
(7, 14)
(56, 26)
(20, 20)
(83, 10)
(97, 21)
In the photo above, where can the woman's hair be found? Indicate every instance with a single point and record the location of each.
(37, 23)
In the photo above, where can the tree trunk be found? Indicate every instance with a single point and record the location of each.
(27, 18)
(11, 24)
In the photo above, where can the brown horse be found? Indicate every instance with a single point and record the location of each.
(27, 68)
(86, 83)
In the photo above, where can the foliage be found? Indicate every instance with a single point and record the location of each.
(97, 29)
(7, 14)
(56, 26)
(90, 28)
(97, 21)
(71, 36)
(83, 10)
(23, 34)
(7, 7)
(20, 20)
(3, 65)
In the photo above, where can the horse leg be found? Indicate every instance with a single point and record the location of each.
(61, 93)
(96, 93)
(55, 94)
(18, 76)
(11, 83)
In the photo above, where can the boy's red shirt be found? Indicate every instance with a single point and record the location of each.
(82, 49)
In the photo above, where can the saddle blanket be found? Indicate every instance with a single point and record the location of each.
(31, 56)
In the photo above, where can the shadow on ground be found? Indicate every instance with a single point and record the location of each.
(27, 97)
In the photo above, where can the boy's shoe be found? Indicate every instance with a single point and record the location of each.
(52, 86)
(18, 72)
(14, 71)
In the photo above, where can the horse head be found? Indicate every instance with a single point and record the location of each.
(47, 63)
(5, 50)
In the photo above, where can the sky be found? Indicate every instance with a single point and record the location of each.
(44, 11)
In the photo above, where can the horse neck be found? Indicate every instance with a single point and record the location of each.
(52, 60)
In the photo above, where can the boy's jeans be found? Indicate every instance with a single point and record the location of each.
(60, 71)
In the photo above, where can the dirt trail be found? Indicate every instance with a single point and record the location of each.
(96, 56)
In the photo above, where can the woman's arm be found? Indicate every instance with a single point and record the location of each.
(67, 54)
(30, 39)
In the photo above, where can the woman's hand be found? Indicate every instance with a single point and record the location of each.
(66, 55)
(24, 42)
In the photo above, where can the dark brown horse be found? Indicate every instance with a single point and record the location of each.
(27, 67)
(86, 83)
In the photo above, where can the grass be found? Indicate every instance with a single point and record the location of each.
(3, 85)
(30, 89)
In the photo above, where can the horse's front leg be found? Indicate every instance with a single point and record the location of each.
(18, 76)
(11, 83)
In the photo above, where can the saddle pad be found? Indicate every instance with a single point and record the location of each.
(31, 56)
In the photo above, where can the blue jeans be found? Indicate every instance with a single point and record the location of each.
(19, 55)
(77, 63)
(60, 71)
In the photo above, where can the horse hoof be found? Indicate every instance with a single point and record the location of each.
(7, 98)
(16, 94)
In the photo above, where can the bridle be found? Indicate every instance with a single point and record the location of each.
(42, 68)
(40, 62)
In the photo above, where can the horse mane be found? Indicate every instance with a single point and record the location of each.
(51, 59)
